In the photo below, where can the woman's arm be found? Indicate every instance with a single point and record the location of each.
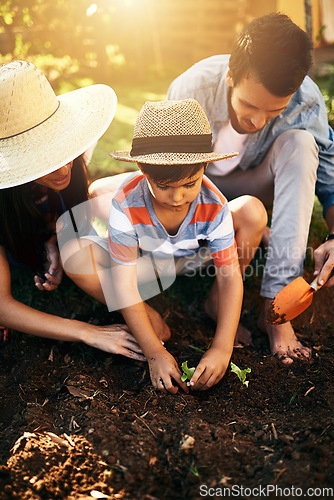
(13, 314)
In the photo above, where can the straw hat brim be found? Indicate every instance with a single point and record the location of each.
(170, 158)
(81, 119)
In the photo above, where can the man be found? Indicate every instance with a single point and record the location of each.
(260, 102)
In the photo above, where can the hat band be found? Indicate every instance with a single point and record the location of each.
(34, 126)
(172, 144)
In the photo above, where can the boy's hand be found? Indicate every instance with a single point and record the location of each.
(163, 370)
(210, 369)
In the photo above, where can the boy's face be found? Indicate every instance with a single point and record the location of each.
(252, 106)
(176, 196)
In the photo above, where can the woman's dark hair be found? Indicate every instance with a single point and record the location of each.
(167, 174)
(24, 228)
(275, 51)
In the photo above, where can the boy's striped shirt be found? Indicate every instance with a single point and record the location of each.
(134, 227)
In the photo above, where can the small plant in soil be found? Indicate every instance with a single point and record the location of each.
(187, 373)
(242, 374)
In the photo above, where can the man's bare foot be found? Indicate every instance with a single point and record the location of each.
(243, 336)
(159, 326)
(282, 338)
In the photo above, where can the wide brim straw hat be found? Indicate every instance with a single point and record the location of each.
(171, 133)
(41, 132)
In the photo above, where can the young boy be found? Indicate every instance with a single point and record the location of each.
(171, 201)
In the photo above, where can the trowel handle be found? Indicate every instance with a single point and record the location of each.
(315, 284)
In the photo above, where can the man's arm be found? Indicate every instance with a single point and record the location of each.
(324, 254)
(214, 363)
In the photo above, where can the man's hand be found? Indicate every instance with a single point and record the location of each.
(54, 271)
(324, 263)
(211, 369)
(163, 370)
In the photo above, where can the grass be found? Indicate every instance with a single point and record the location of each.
(131, 98)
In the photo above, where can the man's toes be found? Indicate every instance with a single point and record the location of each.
(283, 357)
(286, 360)
(287, 357)
(303, 352)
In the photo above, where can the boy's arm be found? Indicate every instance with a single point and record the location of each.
(214, 362)
(163, 367)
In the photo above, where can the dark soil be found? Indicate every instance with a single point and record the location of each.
(78, 423)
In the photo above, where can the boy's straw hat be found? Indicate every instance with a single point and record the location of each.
(171, 133)
(39, 132)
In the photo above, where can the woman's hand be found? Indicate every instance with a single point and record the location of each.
(54, 271)
(115, 339)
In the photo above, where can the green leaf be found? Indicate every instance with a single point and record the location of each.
(242, 374)
(197, 349)
(187, 372)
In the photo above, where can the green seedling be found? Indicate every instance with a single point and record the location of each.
(294, 395)
(193, 469)
(187, 372)
(242, 374)
(197, 349)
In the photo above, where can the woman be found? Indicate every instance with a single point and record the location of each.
(42, 174)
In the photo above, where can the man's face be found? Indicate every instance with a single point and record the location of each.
(252, 106)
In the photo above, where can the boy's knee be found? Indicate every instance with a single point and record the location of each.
(248, 212)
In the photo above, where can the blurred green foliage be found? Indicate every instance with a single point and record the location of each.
(131, 97)
(326, 85)
(79, 37)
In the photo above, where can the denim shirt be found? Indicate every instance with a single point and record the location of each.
(205, 81)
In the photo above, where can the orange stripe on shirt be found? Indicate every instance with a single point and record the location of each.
(127, 188)
(138, 215)
(226, 257)
(213, 188)
(122, 252)
(205, 212)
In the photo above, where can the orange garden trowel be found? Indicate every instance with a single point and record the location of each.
(291, 301)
